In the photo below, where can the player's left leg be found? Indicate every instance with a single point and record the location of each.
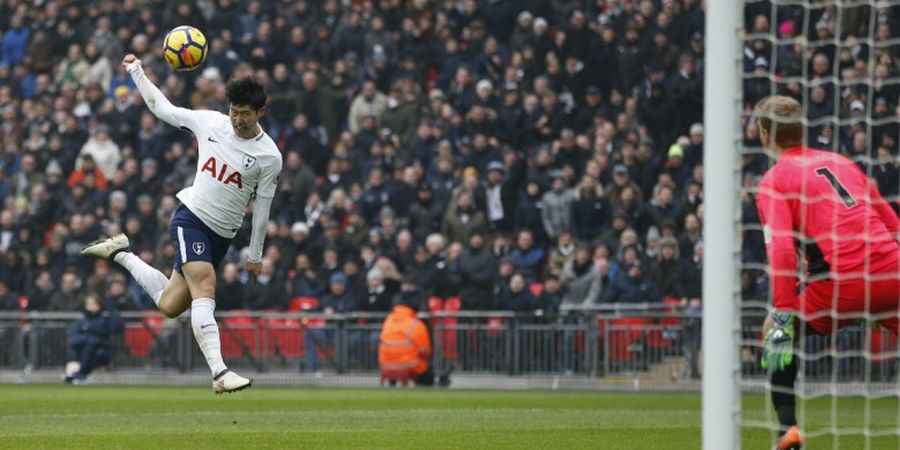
(782, 385)
(201, 280)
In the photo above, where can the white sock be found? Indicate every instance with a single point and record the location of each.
(152, 280)
(206, 331)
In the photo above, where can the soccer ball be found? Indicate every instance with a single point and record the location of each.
(185, 48)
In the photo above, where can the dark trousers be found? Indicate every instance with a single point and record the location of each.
(93, 354)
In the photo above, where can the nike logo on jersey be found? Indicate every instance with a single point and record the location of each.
(207, 325)
(217, 172)
(212, 140)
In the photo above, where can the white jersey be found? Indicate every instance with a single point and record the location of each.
(229, 168)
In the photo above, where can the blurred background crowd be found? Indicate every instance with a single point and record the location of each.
(522, 155)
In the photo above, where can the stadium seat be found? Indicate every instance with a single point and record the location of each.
(238, 335)
(302, 303)
(139, 336)
(451, 351)
(494, 326)
(435, 305)
(624, 335)
(286, 337)
(660, 335)
(536, 289)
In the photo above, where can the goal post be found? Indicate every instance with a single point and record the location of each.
(721, 312)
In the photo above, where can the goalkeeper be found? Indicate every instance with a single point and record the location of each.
(826, 204)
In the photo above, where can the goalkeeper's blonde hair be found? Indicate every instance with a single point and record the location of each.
(781, 117)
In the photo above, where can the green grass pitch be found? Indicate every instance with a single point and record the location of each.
(40, 416)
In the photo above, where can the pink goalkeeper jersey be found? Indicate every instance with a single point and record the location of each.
(826, 201)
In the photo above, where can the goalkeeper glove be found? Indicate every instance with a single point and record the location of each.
(779, 342)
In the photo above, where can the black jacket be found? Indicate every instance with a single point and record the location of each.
(477, 271)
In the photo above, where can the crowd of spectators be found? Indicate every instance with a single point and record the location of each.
(467, 148)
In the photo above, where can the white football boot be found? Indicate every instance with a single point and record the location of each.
(107, 248)
(228, 381)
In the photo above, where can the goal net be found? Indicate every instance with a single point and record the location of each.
(841, 60)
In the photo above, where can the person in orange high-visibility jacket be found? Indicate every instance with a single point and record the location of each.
(405, 344)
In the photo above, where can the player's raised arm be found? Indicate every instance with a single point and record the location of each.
(159, 105)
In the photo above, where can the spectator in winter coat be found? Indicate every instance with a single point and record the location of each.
(269, 291)
(668, 272)
(15, 41)
(631, 286)
(693, 277)
(369, 102)
(375, 197)
(477, 270)
(230, 292)
(338, 300)
(517, 297)
(502, 193)
(461, 222)
(103, 150)
(556, 214)
(580, 279)
(551, 296)
(66, 298)
(661, 208)
(528, 214)
(527, 259)
(381, 292)
(562, 252)
(590, 211)
(425, 214)
(90, 338)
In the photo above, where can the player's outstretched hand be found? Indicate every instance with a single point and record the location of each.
(779, 342)
(128, 59)
(253, 269)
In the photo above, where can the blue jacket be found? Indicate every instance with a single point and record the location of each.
(340, 303)
(15, 44)
(635, 290)
(529, 263)
(99, 328)
(523, 301)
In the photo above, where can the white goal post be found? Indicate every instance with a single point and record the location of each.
(721, 312)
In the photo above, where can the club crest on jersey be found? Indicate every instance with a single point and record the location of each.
(249, 161)
(199, 248)
(222, 173)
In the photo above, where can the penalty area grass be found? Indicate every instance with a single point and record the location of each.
(51, 416)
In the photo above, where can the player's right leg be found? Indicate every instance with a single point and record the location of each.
(117, 249)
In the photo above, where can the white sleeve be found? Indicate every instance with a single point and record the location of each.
(268, 179)
(265, 191)
(159, 105)
(260, 222)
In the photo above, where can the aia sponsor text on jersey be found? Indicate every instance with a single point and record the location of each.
(222, 173)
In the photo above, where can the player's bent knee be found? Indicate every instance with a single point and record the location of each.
(169, 310)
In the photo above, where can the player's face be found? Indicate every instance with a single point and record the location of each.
(243, 119)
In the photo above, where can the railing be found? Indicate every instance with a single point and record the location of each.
(636, 341)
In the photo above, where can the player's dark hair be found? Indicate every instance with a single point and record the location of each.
(781, 117)
(246, 91)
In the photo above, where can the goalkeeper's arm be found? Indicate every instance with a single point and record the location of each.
(159, 105)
